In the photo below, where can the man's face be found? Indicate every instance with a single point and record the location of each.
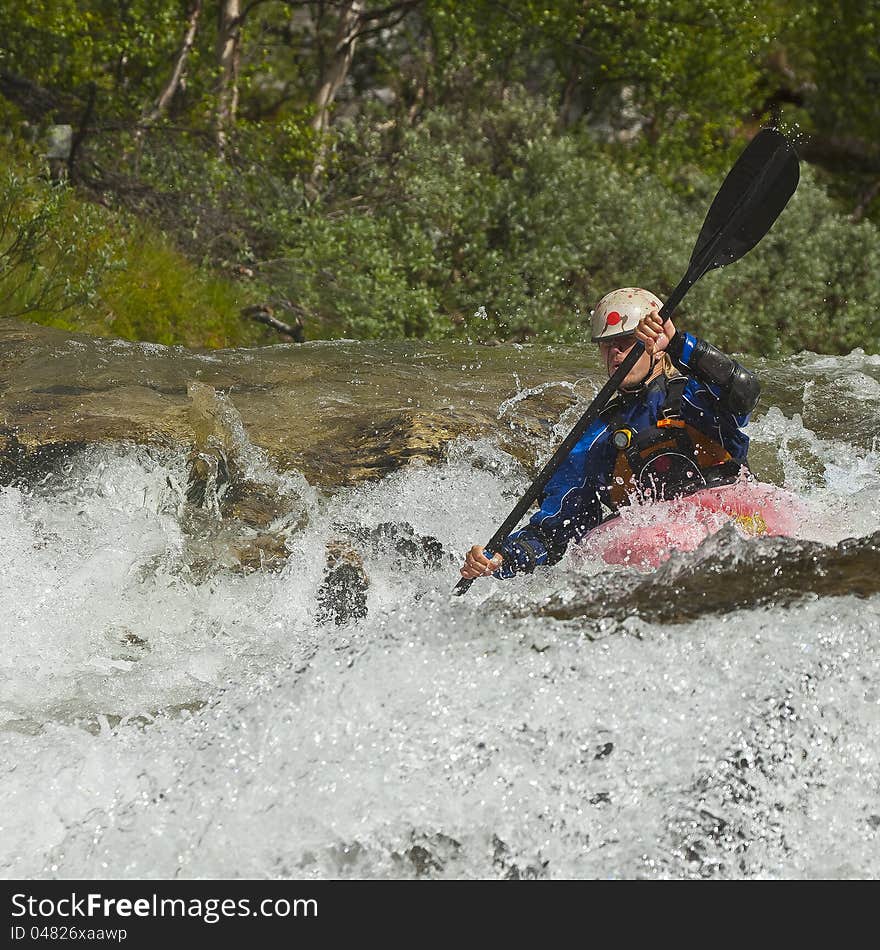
(614, 351)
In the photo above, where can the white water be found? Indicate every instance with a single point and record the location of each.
(157, 724)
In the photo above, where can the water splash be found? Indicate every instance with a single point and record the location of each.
(209, 718)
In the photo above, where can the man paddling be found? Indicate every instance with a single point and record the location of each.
(673, 428)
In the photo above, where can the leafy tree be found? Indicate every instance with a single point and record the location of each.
(117, 47)
(677, 76)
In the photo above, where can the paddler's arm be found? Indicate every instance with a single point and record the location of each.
(568, 510)
(736, 388)
(720, 393)
(476, 564)
(719, 396)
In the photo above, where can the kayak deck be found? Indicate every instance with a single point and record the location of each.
(645, 534)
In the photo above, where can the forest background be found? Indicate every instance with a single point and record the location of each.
(242, 172)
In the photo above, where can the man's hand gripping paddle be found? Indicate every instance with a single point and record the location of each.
(751, 198)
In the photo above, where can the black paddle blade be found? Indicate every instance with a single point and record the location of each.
(751, 198)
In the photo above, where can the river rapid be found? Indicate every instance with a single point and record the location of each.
(166, 714)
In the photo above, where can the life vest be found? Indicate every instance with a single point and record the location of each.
(668, 459)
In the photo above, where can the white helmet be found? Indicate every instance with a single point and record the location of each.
(618, 313)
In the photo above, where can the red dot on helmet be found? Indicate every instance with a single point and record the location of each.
(613, 318)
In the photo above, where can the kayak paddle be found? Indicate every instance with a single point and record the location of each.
(750, 199)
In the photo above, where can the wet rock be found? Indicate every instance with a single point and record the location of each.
(208, 476)
(429, 855)
(728, 574)
(259, 506)
(340, 413)
(512, 870)
(397, 539)
(29, 464)
(604, 750)
(343, 594)
(239, 510)
(126, 645)
(730, 817)
(265, 552)
(215, 483)
(389, 443)
(217, 540)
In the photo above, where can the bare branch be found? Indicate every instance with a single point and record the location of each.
(179, 65)
(228, 52)
(404, 5)
(263, 314)
(82, 129)
(381, 26)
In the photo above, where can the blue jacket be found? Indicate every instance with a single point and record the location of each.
(572, 503)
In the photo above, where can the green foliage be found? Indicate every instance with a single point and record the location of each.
(826, 69)
(120, 49)
(446, 200)
(494, 226)
(847, 49)
(214, 207)
(810, 284)
(833, 47)
(687, 68)
(162, 297)
(488, 223)
(53, 251)
(71, 264)
(350, 275)
(671, 77)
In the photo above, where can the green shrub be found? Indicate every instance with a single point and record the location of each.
(489, 224)
(476, 222)
(493, 224)
(354, 276)
(810, 284)
(53, 249)
(71, 264)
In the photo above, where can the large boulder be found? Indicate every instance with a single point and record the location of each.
(339, 412)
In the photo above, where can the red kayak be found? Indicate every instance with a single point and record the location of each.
(645, 534)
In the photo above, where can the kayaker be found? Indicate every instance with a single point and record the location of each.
(673, 428)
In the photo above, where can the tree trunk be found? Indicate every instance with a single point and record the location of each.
(569, 112)
(340, 62)
(334, 76)
(173, 83)
(228, 59)
(571, 104)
